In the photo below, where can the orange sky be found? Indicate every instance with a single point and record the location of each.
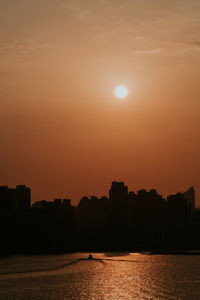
(63, 132)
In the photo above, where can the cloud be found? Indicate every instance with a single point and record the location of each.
(151, 51)
(78, 11)
(15, 50)
(21, 48)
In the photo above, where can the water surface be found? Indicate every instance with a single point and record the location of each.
(109, 276)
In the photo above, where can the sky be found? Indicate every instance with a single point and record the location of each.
(63, 131)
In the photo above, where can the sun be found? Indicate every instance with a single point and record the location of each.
(121, 92)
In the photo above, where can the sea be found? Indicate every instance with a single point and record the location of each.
(109, 276)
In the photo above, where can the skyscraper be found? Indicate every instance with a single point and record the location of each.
(189, 196)
(118, 196)
(15, 199)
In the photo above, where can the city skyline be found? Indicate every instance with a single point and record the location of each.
(123, 220)
(118, 189)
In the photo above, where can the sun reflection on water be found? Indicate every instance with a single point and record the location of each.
(107, 276)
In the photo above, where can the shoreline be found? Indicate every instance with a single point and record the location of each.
(113, 252)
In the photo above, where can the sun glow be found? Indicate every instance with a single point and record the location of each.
(121, 92)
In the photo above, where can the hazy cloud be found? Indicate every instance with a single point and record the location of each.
(23, 48)
(151, 51)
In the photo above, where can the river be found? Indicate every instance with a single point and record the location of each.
(109, 276)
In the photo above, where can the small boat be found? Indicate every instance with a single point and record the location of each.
(90, 257)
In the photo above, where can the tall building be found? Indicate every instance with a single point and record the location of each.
(15, 199)
(22, 197)
(118, 196)
(177, 208)
(189, 196)
(5, 198)
(67, 203)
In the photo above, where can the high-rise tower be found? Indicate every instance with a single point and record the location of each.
(118, 196)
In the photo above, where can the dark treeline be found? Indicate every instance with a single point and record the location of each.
(123, 221)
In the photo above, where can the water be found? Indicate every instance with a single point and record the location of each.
(109, 276)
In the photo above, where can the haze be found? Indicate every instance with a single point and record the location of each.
(63, 132)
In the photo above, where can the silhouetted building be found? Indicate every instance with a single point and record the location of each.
(118, 196)
(22, 197)
(177, 208)
(15, 199)
(56, 204)
(66, 203)
(180, 206)
(5, 198)
(147, 214)
(147, 207)
(189, 195)
(92, 212)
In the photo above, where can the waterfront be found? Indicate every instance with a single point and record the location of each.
(108, 276)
